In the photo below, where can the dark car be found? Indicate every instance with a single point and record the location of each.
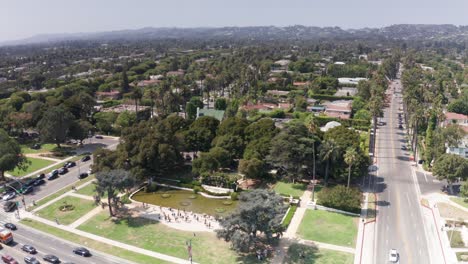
(30, 249)
(10, 226)
(63, 170)
(36, 146)
(30, 182)
(31, 260)
(85, 158)
(26, 189)
(82, 252)
(53, 175)
(82, 175)
(98, 137)
(9, 259)
(39, 182)
(9, 206)
(70, 164)
(404, 147)
(41, 176)
(51, 259)
(400, 126)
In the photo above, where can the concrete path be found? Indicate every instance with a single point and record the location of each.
(87, 216)
(327, 246)
(82, 196)
(39, 156)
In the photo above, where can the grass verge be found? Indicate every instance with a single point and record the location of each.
(289, 216)
(328, 227)
(460, 201)
(287, 189)
(92, 244)
(36, 164)
(304, 254)
(455, 238)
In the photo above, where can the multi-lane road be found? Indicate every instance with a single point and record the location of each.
(47, 244)
(399, 217)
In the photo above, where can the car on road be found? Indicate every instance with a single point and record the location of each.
(26, 190)
(8, 196)
(30, 182)
(41, 176)
(9, 206)
(85, 158)
(98, 137)
(52, 175)
(10, 226)
(63, 170)
(400, 126)
(31, 260)
(393, 256)
(70, 164)
(30, 249)
(51, 258)
(404, 147)
(83, 175)
(39, 182)
(82, 251)
(9, 259)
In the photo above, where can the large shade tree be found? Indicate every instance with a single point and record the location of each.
(111, 182)
(10, 154)
(257, 221)
(450, 167)
(55, 124)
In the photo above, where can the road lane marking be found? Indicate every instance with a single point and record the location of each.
(425, 177)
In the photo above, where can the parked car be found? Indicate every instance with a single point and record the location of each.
(9, 259)
(26, 190)
(41, 176)
(82, 252)
(53, 175)
(404, 147)
(9, 206)
(70, 164)
(393, 256)
(63, 170)
(29, 182)
(8, 196)
(30, 249)
(51, 258)
(98, 136)
(36, 146)
(31, 260)
(10, 226)
(85, 158)
(82, 175)
(400, 126)
(39, 182)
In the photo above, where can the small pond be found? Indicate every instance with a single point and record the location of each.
(181, 199)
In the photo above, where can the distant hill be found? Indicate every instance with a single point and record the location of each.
(402, 31)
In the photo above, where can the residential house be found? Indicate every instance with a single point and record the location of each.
(354, 81)
(277, 93)
(218, 114)
(346, 91)
(145, 83)
(462, 121)
(454, 118)
(339, 109)
(112, 95)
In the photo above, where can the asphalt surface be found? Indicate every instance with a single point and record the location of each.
(47, 244)
(399, 219)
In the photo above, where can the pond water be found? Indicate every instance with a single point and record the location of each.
(181, 199)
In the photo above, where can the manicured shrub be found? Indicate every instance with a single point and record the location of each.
(339, 197)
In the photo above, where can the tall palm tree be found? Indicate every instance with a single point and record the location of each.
(329, 152)
(154, 96)
(136, 95)
(350, 157)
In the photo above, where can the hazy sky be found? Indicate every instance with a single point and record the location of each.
(24, 18)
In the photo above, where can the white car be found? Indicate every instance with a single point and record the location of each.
(393, 256)
(8, 196)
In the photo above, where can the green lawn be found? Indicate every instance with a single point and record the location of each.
(35, 165)
(460, 201)
(327, 227)
(52, 211)
(303, 254)
(89, 190)
(93, 244)
(154, 236)
(456, 240)
(26, 148)
(294, 189)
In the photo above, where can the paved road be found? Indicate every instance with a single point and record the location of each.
(399, 219)
(72, 176)
(46, 244)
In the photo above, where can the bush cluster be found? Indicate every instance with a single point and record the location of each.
(339, 197)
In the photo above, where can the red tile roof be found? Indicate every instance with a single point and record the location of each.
(455, 116)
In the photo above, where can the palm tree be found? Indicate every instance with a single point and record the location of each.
(136, 95)
(154, 96)
(329, 152)
(350, 157)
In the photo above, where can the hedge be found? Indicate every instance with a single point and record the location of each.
(289, 216)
